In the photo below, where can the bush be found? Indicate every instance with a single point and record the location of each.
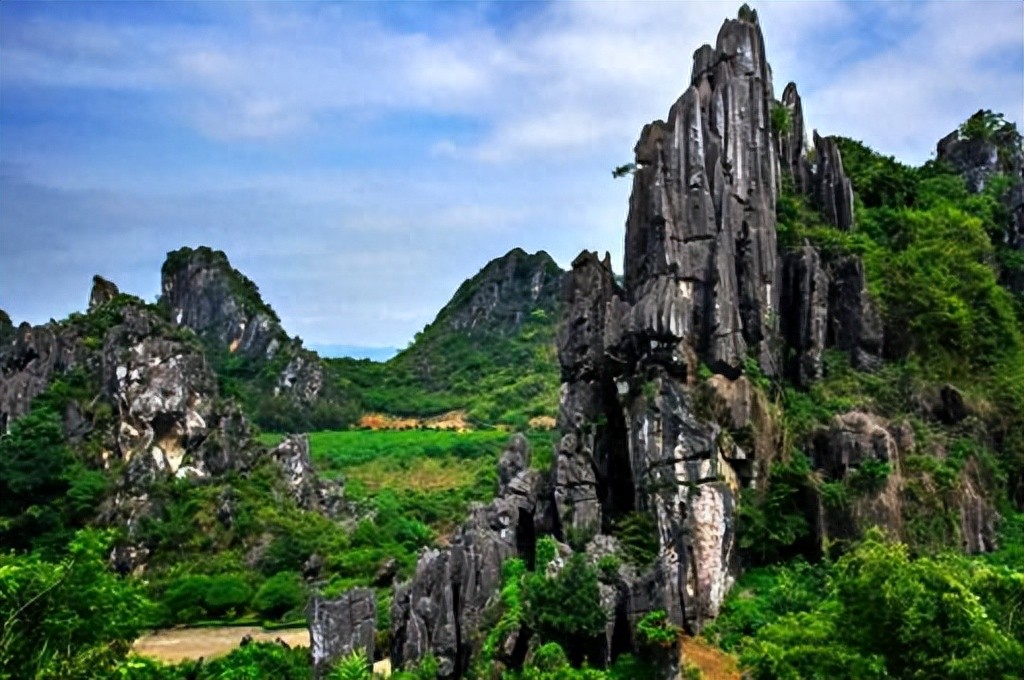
(566, 608)
(279, 594)
(227, 595)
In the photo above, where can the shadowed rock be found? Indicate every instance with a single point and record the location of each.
(102, 291)
(342, 626)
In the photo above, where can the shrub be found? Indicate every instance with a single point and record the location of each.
(279, 595)
(227, 595)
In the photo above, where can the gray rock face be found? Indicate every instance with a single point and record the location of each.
(28, 364)
(823, 180)
(700, 237)
(307, 488)
(440, 611)
(163, 391)
(513, 460)
(102, 291)
(201, 291)
(832, 191)
(855, 323)
(339, 627)
(793, 144)
(805, 305)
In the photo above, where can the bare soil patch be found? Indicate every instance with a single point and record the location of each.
(178, 644)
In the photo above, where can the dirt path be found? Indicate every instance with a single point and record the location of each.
(178, 644)
(713, 662)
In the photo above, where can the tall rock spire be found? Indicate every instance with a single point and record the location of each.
(700, 238)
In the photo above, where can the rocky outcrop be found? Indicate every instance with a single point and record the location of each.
(342, 626)
(793, 142)
(700, 264)
(831, 189)
(805, 305)
(855, 322)
(819, 176)
(145, 404)
(440, 611)
(28, 364)
(103, 291)
(307, 488)
(202, 291)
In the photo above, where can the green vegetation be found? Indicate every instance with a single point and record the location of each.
(70, 617)
(876, 612)
(502, 370)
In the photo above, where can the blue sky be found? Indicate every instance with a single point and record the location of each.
(359, 160)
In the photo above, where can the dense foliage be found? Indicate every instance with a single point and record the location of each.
(67, 618)
(878, 613)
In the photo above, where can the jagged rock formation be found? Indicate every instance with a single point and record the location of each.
(793, 142)
(700, 263)
(441, 610)
(341, 626)
(831, 190)
(148, 400)
(644, 428)
(103, 291)
(202, 291)
(307, 488)
(819, 175)
(29, 361)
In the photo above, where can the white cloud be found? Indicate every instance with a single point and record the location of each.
(360, 169)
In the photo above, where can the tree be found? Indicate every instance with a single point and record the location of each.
(566, 608)
(72, 618)
(279, 594)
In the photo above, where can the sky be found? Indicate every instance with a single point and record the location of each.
(358, 161)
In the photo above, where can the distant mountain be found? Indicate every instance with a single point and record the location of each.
(329, 351)
(490, 351)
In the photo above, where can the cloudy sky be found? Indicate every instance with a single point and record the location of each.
(359, 160)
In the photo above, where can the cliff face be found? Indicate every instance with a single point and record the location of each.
(277, 378)
(700, 268)
(201, 291)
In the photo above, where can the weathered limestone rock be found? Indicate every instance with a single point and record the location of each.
(585, 450)
(163, 391)
(855, 324)
(102, 291)
(307, 488)
(513, 460)
(793, 144)
(832, 190)
(440, 610)
(840, 451)
(342, 626)
(499, 297)
(851, 439)
(805, 291)
(203, 292)
(677, 464)
(28, 364)
(702, 212)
